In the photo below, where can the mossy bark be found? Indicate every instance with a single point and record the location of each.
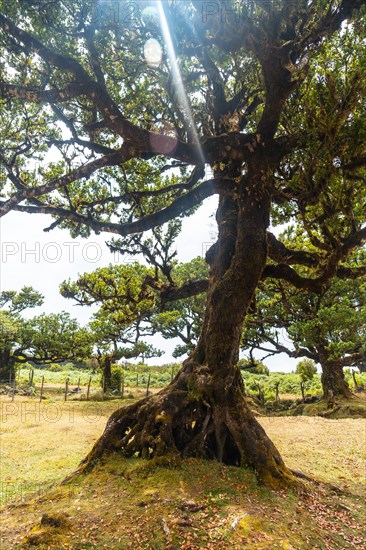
(7, 366)
(333, 381)
(107, 373)
(203, 412)
(105, 363)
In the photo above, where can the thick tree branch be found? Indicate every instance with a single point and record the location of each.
(354, 240)
(282, 271)
(351, 272)
(178, 207)
(280, 348)
(192, 288)
(85, 171)
(316, 285)
(39, 95)
(278, 252)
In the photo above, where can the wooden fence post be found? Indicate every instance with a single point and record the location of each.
(260, 394)
(123, 387)
(302, 388)
(88, 392)
(148, 385)
(41, 394)
(354, 380)
(277, 388)
(66, 388)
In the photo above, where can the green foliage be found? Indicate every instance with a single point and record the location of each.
(9, 327)
(306, 369)
(12, 325)
(253, 366)
(55, 367)
(26, 298)
(118, 374)
(44, 339)
(128, 296)
(183, 318)
(48, 338)
(360, 377)
(329, 325)
(126, 303)
(287, 384)
(58, 377)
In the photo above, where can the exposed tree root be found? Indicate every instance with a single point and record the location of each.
(327, 484)
(193, 422)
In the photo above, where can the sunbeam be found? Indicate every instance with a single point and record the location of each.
(178, 81)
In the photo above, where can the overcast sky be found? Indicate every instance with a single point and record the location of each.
(29, 256)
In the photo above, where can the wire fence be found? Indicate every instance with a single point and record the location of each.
(72, 387)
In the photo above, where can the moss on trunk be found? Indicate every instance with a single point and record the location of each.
(333, 381)
(203, 412)
(199, 420)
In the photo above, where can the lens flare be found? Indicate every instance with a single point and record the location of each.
(153, 53)
(178, 81)
(163, 138)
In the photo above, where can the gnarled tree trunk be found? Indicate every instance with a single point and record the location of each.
(7, 366)
(333, 381)
(105, 363)
(203, 412)
(107, 372)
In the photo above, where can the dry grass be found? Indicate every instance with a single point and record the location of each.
(128, 503)
(43, 442)
(333, 451)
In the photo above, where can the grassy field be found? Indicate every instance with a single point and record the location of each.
(195, 504)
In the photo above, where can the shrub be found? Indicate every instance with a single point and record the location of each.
(253, 366)
(306, 369)
(118, 375)
(55, 367)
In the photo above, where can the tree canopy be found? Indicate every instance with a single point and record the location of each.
(134, 303)
(306, 369)
(27, 297)
(42, 339)
(328, 327)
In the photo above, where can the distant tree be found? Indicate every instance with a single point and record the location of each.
(126, 306)
(43, 339)
(328, 327)
(11, 325)
(306, 369)
(9, 328)
(135, 302)
(52, 338)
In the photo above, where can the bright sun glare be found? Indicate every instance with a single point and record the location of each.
(153, 53)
